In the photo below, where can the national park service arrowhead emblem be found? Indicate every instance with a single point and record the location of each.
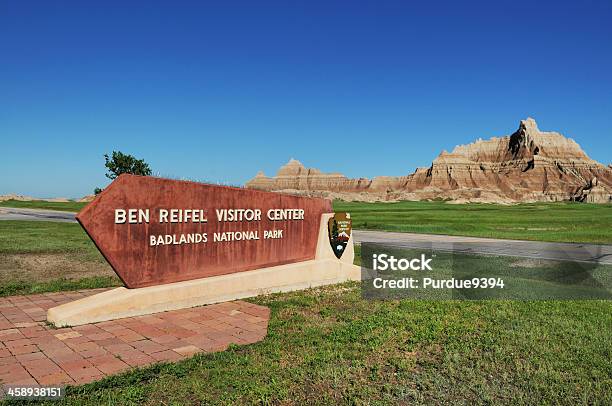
(339, 229)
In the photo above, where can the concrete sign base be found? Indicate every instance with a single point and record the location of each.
(118, 303)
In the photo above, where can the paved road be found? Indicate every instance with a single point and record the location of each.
(525, 249)
(10, 213)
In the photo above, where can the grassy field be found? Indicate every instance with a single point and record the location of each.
(561, 222)
(40, 204)
(41, 256)
(24, 237)
(330, 346)
(567, 222)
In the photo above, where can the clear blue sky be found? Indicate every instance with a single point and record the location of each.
(219, 90)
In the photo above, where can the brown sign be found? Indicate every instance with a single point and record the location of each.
(154, 231)
(339, 229)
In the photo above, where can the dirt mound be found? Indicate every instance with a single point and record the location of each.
(23, 198)
(86, 199)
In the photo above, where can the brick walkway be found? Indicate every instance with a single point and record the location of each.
(31, 352)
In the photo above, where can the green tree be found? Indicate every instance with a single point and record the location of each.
(119, 163)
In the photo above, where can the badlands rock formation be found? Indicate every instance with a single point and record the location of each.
(529, 165)
(15, 197)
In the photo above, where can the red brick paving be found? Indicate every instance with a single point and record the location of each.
(32, 352)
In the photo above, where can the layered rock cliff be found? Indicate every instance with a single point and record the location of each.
(528, 165)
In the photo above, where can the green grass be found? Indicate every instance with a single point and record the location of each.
(41, 204)
(19, 237)
(560, 222)
(12, 288)
(330, 346)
